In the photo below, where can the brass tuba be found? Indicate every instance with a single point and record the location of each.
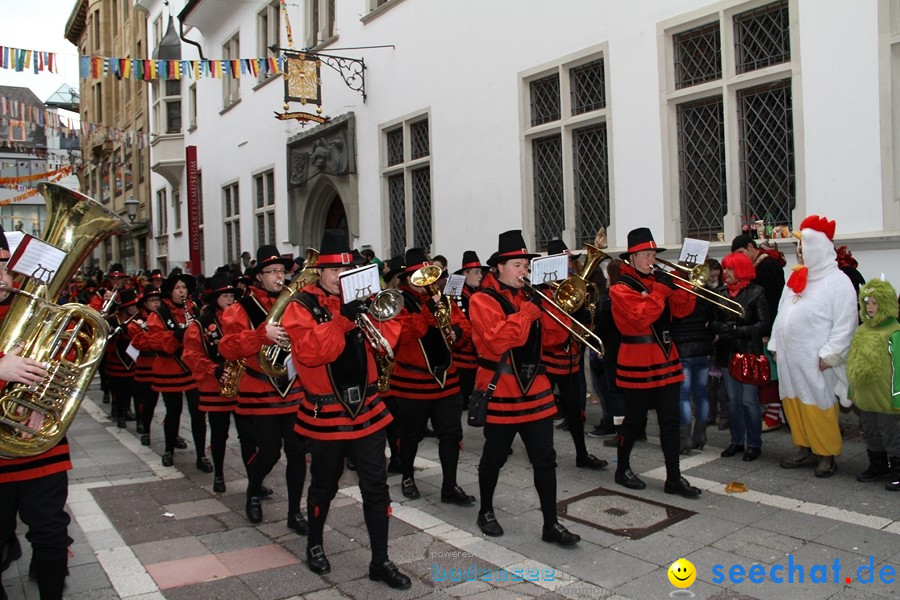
(576, 290)
(70, 339)
(268, 355)
(427, 277)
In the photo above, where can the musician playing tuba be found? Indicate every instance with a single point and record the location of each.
(343, 412)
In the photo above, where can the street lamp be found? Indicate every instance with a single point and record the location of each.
(131, 208)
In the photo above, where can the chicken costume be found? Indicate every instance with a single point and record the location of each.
(817, 317)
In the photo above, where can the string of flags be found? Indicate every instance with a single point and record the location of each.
(12, 182)
(18, 110)
(28, 194)
(95, 67)
(27, 60)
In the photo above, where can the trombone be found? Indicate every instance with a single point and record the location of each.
(583, 333)
(696, 277)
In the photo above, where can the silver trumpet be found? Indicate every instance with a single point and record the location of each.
(386, 305)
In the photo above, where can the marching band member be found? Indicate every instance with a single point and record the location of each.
(271, 403)
(165, 335)
(342, 409)
(33, 488)
(201, 354)
(464, 356)
(649, 370)
(424, 383)
(146, 397)
(510, 331)
(564, 370)
(119, 366)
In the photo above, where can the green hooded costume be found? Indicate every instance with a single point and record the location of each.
(873, 362)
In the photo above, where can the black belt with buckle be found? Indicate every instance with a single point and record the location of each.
(322, 399)
(647, 339)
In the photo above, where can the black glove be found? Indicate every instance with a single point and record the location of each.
(352, 310)
(665, 279)
(220, 371)
(724, 328)
(179, 333)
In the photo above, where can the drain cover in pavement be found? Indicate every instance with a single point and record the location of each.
(621, 514)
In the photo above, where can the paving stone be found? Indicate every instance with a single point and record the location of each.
(283, 582)
(228, 588)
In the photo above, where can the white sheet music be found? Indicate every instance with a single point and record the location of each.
(694, 251)
(359, 284)
(13, 239)
(289, 367)
(454, 287)
(545, 269)
(132, 352)
(37, 259)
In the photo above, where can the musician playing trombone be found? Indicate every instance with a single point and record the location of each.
(342, 407)
(510, 330)
(644, 300)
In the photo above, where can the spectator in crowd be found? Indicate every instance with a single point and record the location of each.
(716, 392)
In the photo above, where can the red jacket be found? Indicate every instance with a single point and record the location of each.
(410, 378)
(315, 345)
(170, 374)
(464, 354)
(644, 364)
(143, 367)
(495, 333)
(118, 363)
(202, 356)
(257, 394)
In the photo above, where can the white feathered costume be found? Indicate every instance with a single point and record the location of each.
(817, 317)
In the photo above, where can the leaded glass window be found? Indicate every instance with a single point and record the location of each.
(701, 168)
(397, 209)
(421, 205)
(395, 146)
(591, 181)
(697, 55)
(418, 139)
(549, 207)
(762, 37)
(588, 85)
(545, 100)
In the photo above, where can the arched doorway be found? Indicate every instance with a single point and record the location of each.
(336, 217)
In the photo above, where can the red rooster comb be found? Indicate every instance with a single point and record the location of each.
(819, 224)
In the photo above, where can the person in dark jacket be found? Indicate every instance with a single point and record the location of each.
(694, 340)
(743, 334)
(718, 361)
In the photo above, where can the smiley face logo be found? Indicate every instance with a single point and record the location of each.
(682, 573)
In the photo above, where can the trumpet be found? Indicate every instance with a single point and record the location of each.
(384, 306)
(426, 278)
(582, 334)
(696, 278)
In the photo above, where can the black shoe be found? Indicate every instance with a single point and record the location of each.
(351, 466)
(590, 461)
(602, 431)
(409, 489)
(560, 535)
(298, 523)
(394, 466)
(129, 416)
(731, 450)
(168, 460)
(265, 492)
(752, 454)
(139, 426)
(682, 488)
(145, 439)
(11, 551)
(204, 465)
(390, 574)
(253, 509)
(219, 485)
(563, 425)
(457, 496)
(612, 442)
(488, 524)
(317, 561)
(893, 486)
(120, 422)
(629, 480)
(180, 443)
(105, 397)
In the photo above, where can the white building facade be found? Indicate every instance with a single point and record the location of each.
(686, 116)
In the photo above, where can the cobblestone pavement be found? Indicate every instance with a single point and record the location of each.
(143, 531)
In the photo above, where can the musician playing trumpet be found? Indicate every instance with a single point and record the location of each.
(342, 409)
(119, 366)
(425, 384)
(644, 300)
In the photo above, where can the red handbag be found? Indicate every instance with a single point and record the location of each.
(749, 368)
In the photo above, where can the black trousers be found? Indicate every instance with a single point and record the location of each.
(271, 432)
(121, 389)
(325, 471)
(41, 505)
(538, 439)
(219, 424)
(393, 428)
(664, 400)
(466, 384)
(174, 403)
(146, 398)
(572, 402)
(445, 415)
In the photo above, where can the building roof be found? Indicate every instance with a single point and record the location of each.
(66, 97)
(170, 46)
(77, 22)
(21, 94)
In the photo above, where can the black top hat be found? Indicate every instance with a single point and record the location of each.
(155, 274)
(218, 284)
(396, 264)
(640, 239)
(557, 246)
(169, 282)
(470, 261)
(335, 252)
(150, 292)
(510, 245)
(127, 298)
(415, 259)
(116, 270)
(267, 256)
